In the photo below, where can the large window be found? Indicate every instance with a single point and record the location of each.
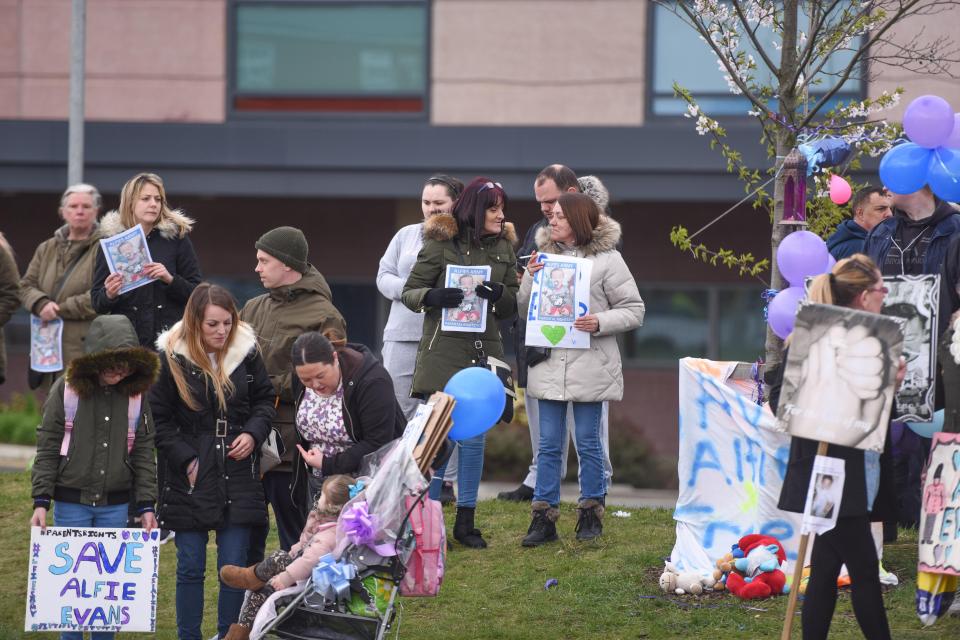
(330, 56)
(716, 322)
(678, 55)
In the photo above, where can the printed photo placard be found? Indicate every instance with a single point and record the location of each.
(823, 495)
(92, 580)
(839, 377)
(471, 315)
(939, 550)
(916, 300)
(46, 344)
(560, 294)
(127, 253)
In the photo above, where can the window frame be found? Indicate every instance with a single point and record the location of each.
(650, 93)
(232, 112)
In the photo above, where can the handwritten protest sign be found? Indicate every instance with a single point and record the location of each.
(939, 550)
(92, 580)
(560, 294)
(839, 377)
(731, 467)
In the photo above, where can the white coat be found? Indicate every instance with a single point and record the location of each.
(594, 374)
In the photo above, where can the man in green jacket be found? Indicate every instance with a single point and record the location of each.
(298, 300)
(92, 469)
(9, 297)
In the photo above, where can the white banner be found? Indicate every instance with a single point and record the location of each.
(731, 467)
(92, 580)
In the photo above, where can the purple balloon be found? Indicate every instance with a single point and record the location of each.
(802, 254)
(928, 121)
(953, 140)
(782, 311)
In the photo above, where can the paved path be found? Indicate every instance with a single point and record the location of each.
(16, 457)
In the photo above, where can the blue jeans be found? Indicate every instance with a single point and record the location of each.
(553, 431)
(469, 470)
(232, 545)
(70, 514)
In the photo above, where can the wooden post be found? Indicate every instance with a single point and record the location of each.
(798, 571)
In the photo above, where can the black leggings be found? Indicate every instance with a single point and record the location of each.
(850, 543)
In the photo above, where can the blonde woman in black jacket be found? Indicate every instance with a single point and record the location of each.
(212, 405)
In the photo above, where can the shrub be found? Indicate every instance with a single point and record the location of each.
(19, 419)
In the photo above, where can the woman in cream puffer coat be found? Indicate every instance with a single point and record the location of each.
(587, 377)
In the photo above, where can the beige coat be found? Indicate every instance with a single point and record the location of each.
(49, 262)
(594, 374)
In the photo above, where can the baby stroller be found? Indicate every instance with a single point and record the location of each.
(377, 536)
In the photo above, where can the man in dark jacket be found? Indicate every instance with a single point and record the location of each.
(298, 299)
(914, 242)
(870, 206)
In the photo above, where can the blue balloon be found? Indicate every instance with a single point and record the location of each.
(944, 173)
(480, 400)
(903, 169)
(927, 429)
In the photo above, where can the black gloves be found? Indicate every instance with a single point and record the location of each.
(445, 298)
(490, 290)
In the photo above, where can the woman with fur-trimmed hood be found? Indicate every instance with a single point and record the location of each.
(587, 377)
(155, 307)
(213, 404)
(93, 469)
(475, 234)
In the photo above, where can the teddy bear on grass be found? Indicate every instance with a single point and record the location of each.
(673, 581)
(757, 574)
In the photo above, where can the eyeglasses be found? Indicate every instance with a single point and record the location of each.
(491, 185)
(883, 290)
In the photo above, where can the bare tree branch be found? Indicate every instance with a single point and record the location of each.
(752, 34)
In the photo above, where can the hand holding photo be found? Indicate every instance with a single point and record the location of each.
(558, 314)
(128, 255)
(46, 345)
(471, 314)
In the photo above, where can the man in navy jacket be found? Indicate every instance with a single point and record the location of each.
(870, 206)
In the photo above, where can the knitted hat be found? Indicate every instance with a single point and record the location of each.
(286, 244)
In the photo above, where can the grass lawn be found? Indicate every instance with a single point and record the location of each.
(606, 589)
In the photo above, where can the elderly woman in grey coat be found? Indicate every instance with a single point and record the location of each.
(587, 377)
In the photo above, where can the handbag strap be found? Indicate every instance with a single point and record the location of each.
(62, 281)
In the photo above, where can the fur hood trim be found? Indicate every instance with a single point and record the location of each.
(443, 227)
(244, 342)
(605, 238)
(172, 225)
(83, 374)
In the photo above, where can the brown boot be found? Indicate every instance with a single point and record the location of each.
(237, 632)
(241, 578)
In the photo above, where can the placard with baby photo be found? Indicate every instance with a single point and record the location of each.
(823, 495)
(471, 314)
(46, 344)
(560, 294)
(839, 377)
(127, 253)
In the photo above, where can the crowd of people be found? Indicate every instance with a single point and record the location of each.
(222, 410)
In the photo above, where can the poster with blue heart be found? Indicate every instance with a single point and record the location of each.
(939, 550)
(92, 579)
(560, 294)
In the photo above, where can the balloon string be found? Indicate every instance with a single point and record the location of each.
(936, 152)
(747, 197)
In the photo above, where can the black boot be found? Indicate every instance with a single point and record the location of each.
(543, 526)
(464, 531)
(590, 519)
(523, 493)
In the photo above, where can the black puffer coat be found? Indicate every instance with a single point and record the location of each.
(227, 491)
(155, 307)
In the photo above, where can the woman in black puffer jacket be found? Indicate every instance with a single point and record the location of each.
(212, 405)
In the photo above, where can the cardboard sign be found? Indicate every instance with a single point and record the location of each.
(127, 253)
(839, 377)
(92, 580)
(915, 300)
(823, 495)
(939, 530)
(559, 295)
(731, 467)
(471, 314)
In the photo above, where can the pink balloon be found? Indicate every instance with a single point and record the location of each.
(953, 140)
(840, 191)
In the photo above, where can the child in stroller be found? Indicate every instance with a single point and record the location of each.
(283, 569)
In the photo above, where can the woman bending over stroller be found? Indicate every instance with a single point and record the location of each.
(283, 569)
